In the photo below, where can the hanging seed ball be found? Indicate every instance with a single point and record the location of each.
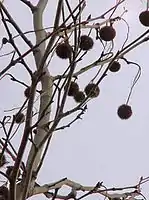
(92, 90)
(9, 171)
(79, 96)
(19, 118)
(35, 131)
(3, 160)
(144, 18)
(74, 87)
(124, 111)
(86, 43)
(27, 92)
(107, 33)
(4, 192)
(64, 51)
(4, 40)
(115, 66)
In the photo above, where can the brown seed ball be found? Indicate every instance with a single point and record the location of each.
(144, 18)
(72, 89)
(79, 96)
(3, 160)
(4, 40)
(92, 90)
(107, 33)
(19, 118)
(124, 111)
(9, 171)
(64, 51)
(4, 192)
(86, 43)
(115, 66)
(27, 92)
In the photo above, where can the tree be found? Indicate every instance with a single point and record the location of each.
(49, 94)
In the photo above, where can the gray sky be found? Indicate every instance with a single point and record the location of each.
(101, 147)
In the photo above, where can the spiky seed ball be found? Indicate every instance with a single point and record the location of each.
(86, 43)
(124, 111)
(35, 131)
(115, 66)
(19, 118)
(64, 50)
(27, 92)
(3, 160)
(74, 87)
(92, 90)
(9, 171)
(4, 192)
(4, 40)
(79, 96)
(144, 18)
(107, 33)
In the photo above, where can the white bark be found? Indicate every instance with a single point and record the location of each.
(46, 83)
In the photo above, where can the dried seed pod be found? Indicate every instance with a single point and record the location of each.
(4, 40)
(19, 118)
(64, 51)
(92, 90)
(86, 43)
(124, 111)
(27, 92)
(74, 87)
(115, 66)
(9, 171)
(107, 33)
(3, 160)
(4, 192)
(35, 131)
(144, 18)
(79, 96)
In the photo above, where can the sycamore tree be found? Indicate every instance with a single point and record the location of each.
(44, 108)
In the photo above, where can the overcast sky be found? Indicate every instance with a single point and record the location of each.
(101, 147)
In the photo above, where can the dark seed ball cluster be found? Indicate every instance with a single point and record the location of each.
(107, 33)
(92, 90)
(64, 51)
(115, 66)
(27, 92)
(73, 88)
(124, 111)
(144, 18)
(86, 43)
(79, 96)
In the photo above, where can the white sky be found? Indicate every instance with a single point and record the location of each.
(101, 147)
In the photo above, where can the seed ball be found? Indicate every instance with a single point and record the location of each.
(124, 111)
(79, 96)
(3, 160)
(92, 90)
(107, 33)
(35, 131)
(86, 43)
(64, 51)
(19, 118)
(72, 89)
(9, 171)
(27, 92)
(4, 40)
(115, 66)
(144, 18)
(4, 192)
